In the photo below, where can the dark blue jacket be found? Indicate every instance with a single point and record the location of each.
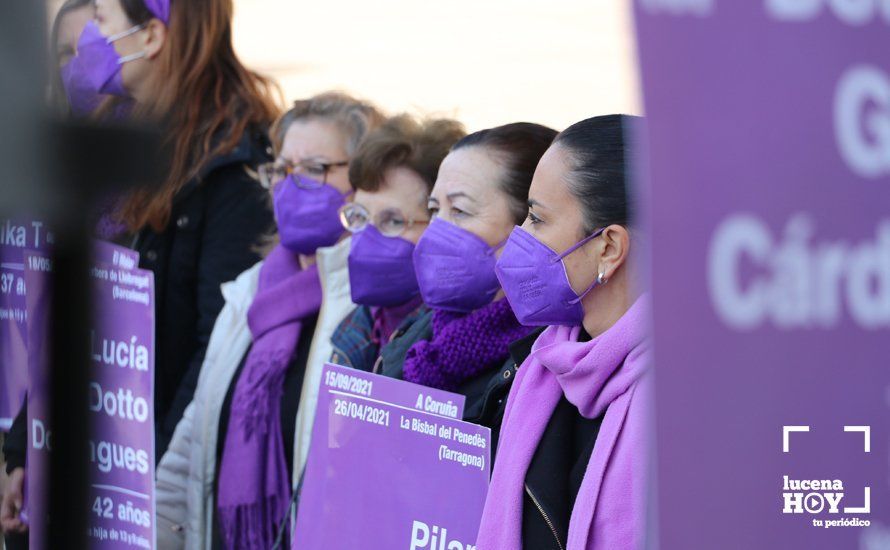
(352, 341)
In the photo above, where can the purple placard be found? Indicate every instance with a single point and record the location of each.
(15, 239)
(122, 502)
(769, 141)
(105, 252)
(37, 269)
(385, 473)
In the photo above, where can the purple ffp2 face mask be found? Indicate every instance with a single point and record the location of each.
(83, 99)
(96, 69)
(455, 268)
(307, 218)
(381, 271)
(535, 281)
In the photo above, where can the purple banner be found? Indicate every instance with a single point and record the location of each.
(391, 466)
(121, 401)
(15, 239)
(37, 269)
(769, 167)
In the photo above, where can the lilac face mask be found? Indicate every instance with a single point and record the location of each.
(307, 215)
(97, 67)
(381, 270)
(455, 268)
(82, 98)
(535, 281)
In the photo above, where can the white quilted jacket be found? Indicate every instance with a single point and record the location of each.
(187, 470)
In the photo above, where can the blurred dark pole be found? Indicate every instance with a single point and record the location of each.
(56, 171)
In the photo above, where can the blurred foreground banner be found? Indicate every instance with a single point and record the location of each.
(16, 237)
(769, 167)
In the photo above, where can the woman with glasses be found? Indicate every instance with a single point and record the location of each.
(462, 343)
(227, 479)
(393, 173)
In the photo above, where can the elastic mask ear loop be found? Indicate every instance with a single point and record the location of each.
(131, 57)
(576, 246)
(115, 37)
(132, 30)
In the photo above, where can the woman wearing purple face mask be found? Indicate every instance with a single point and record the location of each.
(68, 25)
(393, 172)
(201, 225)
(462, 343)
(580, 399)
(246, 432)
(67, 94)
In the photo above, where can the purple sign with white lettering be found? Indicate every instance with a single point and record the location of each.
(122, 407)
(37, 269)
(121, 401)
(15, 239)
(769, 169)
(391, 466)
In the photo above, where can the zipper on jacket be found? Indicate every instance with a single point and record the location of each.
(545, 516)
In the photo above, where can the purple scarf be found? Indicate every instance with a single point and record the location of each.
(387, 320)
(604, 374)
(463, 346)
(254, 492)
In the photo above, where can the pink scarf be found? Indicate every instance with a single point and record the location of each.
(607, 374)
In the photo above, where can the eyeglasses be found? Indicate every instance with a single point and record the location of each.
(315, 172)
(390, 222)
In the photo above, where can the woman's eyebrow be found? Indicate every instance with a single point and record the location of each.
(457, 194)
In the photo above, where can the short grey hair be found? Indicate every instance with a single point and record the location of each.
(355, 117)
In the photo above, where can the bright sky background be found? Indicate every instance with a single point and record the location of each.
(486, 62)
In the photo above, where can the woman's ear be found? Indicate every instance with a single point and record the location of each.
(616, 248)
(153, 38)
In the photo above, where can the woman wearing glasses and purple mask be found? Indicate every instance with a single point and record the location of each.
(393, 171)
(242, 436)
(571, 471)
(461, 343)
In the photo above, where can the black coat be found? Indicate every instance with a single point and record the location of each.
(556, 471)
(216, 226)
(217, 223)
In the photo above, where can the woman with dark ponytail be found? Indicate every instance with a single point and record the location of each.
(571, 467)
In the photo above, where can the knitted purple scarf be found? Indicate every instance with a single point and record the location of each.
(253, 479)
(463, 346)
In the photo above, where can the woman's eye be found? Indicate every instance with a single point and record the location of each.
(533, 219)
(434, 211)
(457, 212)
